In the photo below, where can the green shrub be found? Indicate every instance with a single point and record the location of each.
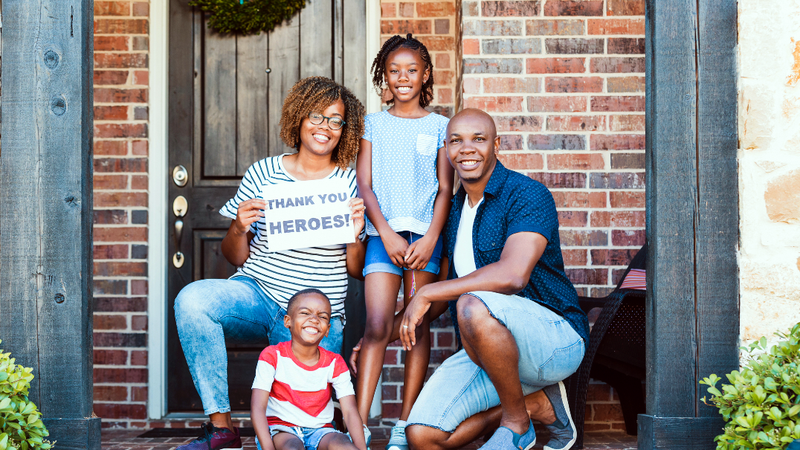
(761, 405)
(21, 424)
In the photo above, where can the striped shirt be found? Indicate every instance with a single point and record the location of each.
(281, 274)
(300, 395)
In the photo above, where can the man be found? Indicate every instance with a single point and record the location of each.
(521, 328)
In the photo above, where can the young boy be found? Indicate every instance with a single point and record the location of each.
(291, 405)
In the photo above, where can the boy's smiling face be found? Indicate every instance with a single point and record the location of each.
(309, 319)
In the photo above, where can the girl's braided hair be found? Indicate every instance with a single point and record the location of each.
(314, 94)
(379, 65)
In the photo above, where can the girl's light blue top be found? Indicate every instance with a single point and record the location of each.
(404, 153)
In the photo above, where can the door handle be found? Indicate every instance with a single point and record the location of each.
(178, 232)
(179, 207)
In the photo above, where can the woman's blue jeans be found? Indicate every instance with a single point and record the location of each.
(209, 312)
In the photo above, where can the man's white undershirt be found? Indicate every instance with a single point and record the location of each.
(463, 257)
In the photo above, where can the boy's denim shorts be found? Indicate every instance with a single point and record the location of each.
(310, 437)
(377, 260)
(550, 350)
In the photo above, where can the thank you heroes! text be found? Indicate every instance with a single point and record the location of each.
(308, 214)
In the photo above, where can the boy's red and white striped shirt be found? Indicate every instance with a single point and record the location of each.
(300, 395)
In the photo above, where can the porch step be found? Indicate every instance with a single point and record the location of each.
(129, 439)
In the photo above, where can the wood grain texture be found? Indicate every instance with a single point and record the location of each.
(219, 104)
(718, 224)
(74, 434)
(284, 60)
(354, 47)
(252, 93)
(316, 25)
(692, 221)
(672, 208)
(668, 433)
(46, 190)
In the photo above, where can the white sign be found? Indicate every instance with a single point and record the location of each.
(308, 214)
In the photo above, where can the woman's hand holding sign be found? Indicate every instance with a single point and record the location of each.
(236, 244)
(357, 209)
(249, 211)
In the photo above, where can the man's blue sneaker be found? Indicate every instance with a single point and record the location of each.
(562, 431)
(504, 439)
(213, 438)
(397, 441)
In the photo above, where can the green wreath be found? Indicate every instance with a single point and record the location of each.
(248, 16)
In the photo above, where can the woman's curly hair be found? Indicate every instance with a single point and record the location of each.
(379, 65)
(314, 94)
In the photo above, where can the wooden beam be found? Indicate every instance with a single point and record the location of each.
(692, 221)
(46, 223)
(689, 433)
(671, 179)
(718, 206)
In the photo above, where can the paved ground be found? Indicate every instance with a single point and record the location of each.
(129, 440)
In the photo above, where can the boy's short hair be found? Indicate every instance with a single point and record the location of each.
(314, 94)
(302, 293)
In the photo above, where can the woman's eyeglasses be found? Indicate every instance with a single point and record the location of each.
(334, 123)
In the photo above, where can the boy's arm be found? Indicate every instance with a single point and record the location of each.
(258, 416)
(352, 421)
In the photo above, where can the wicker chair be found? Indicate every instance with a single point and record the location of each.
(616, 352)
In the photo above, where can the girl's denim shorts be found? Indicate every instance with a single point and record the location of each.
(377, 260)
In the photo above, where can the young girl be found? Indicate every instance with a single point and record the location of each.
(406, 182)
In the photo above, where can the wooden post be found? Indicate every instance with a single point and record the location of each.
(46, 222)
(692, 220)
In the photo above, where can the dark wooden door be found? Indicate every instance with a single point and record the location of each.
(225, 98)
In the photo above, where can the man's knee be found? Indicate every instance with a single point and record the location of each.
(421, 437)
(471, 309)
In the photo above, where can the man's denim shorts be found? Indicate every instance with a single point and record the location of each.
(377, 260)
(309, 436)
(550, 350)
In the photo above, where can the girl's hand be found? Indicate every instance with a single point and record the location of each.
(395, 247)
(249, 211)
(357, 209)
(419, 253)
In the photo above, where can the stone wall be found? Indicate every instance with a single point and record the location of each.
(769, 166)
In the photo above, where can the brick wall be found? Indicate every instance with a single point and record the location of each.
(564, 80)
(120, 211)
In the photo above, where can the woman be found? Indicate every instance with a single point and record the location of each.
(324, 122)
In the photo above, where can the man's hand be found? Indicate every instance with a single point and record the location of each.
(248, 212)
(419, 253)
(357, 209)
(415, 312)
